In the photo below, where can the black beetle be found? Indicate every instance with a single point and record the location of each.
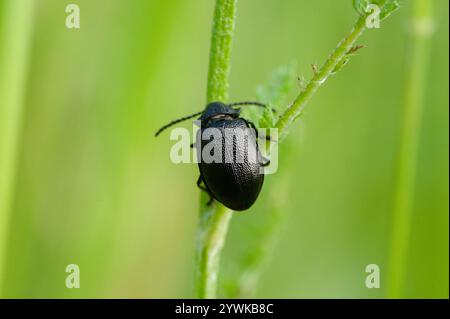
(236, 184)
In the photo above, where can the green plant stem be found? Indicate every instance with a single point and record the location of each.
(321, 75)
(220, 50)
(214, 220)
(409, 145)
(212, 231)
(16, 38)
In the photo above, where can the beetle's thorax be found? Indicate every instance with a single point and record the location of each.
(219, 111)
(221, 117)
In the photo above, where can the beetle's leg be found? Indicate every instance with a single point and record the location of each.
(199, 182)
(266, 163)
(252, 125)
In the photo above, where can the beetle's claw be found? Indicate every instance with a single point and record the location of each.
(267, 138)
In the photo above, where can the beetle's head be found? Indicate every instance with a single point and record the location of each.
(213, 110)
(218, 109)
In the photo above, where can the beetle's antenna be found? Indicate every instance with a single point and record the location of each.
(251, 103)
(248, 103)
(176, 121)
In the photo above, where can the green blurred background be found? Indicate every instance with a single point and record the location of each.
(93, 187)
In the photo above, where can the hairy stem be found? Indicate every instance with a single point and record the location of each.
(409, 145)
(214, 220)
(212, 231)
(220, 51)
(17, 26)
(321, 75)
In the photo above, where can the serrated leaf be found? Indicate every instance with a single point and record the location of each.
(391, 5)
(268, 118)
(361, 6)
(389, 8)
(275, 93)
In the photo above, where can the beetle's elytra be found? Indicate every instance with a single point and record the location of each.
(235, 184)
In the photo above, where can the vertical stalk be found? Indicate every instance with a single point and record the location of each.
(214, 220)
(409, 145)
(17, 23)
(220, 51)
(212, 231)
